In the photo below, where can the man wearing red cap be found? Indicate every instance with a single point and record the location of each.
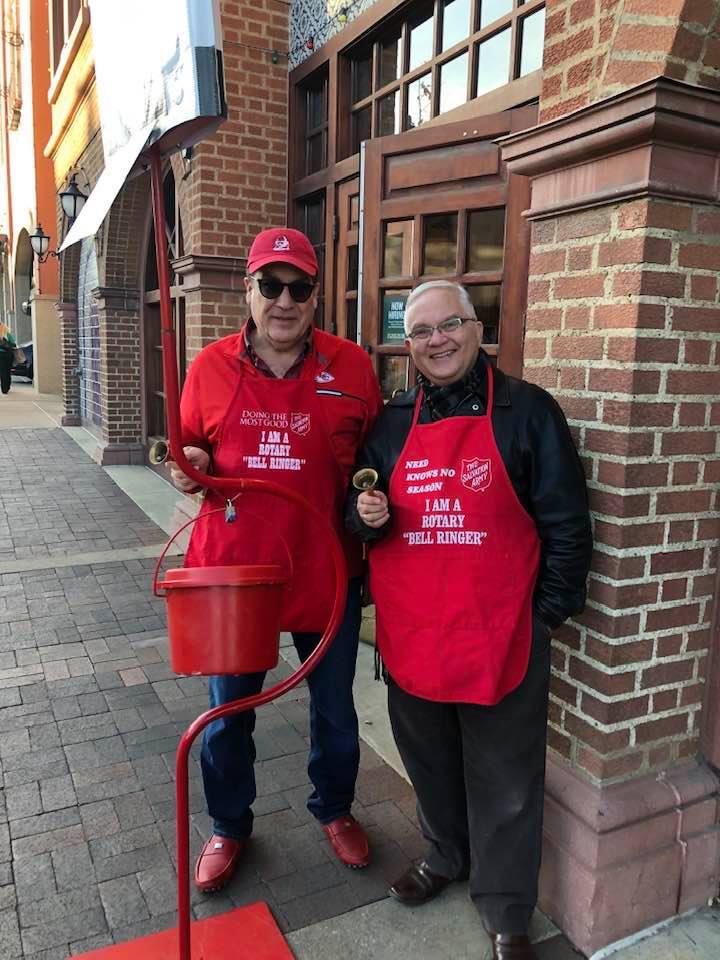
(281, 401)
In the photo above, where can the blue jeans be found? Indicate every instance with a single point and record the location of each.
(228, 751)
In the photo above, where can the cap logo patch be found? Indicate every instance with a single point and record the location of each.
(281, 245)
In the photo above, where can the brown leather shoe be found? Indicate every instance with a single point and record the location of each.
(217, 862)
(511, 946)
(348, 840)
(418, 885)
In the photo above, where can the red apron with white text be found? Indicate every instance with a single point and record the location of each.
(453, 582)
(276, 430)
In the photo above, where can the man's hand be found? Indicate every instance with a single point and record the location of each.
(197, 458)
(373, 508)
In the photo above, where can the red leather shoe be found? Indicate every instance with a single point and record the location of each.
(217, 862)
(348, 840)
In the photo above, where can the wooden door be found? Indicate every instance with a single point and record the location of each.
(439, 204)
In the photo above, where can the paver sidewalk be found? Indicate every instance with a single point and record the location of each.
(90, 715)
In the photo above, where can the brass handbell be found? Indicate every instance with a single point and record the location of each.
(365, 479)
(158, 452)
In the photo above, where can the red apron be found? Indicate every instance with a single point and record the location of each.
(454, 580)
(276, 430)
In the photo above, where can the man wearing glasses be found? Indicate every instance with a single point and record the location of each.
(281, 401)
(481, 546)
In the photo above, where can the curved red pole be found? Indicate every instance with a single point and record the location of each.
(226, 485)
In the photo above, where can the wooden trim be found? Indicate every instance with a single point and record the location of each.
(69, 52)
(515, 276)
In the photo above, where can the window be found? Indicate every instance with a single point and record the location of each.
(425, 63)
(310, 218)
(314, 122)
(63, 13)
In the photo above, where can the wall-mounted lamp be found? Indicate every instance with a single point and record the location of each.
(40, 242)
(72, 200)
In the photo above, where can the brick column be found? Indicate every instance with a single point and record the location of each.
(67, 318)
(118, 314)
(622, 328)
(214, 298)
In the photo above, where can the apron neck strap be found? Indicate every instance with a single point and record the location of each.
(490, 373)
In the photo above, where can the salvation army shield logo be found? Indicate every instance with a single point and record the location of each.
(476, 474)
(300, 423)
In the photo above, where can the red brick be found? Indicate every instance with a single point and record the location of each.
(562, 690)
(579, 288)
(670, 646)
(618, 568)
(579, 258)
(692, 414)
(673, 671)
(685, 474)
(579, 408)
(577, 348)
(643, 37)
(615, 711)
(628, 413)
(632, 382)
(662, 728)
(677, 561)
(692, 694)
(579, 74)
(538, 291)
(701, 255)
(544, 318)
(608, 768)
(708, 222)
(632, 72)
(551, 261)
(703, 586)
(648, 283)
(696, 319)
(643, 350)
(655, 213)
(703, 287)
(688, 441)
(620, 444)
(631, 475)
(613, 627)
(711, 472)
(680, 531)
(669, 617)
(618, 505)
(684, 501)
(642, 249)
(573, 378)
(577, 318)
(567, 48)
(664, 700)
(628, 536)
(559, 743)
(647, 316)
(589, 223)
(618, 654)
(606, 741)
(693, 382)
(698, 352)
(608, 684)
(698, 640)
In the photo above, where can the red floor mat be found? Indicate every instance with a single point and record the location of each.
(249, 933)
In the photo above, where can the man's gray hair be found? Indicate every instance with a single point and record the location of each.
(459, 289)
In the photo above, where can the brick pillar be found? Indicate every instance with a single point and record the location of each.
(67, 317)
(214, 298)
(622, 328)
(118, 314)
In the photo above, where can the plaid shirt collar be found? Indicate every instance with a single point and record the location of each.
(248, 352)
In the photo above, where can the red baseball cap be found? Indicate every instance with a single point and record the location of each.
(282, 245)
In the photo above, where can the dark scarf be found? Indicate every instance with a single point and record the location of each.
(443, 401)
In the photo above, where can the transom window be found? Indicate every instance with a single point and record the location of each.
(436, 57)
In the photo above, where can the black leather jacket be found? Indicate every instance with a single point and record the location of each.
(541, 460)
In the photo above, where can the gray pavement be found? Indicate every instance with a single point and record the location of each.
(90, 714)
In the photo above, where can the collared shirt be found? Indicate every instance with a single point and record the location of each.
(292, 374)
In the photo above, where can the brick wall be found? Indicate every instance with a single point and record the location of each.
(622, 329)
(594, 48)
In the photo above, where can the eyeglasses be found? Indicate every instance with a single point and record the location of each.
(271, 288)
(425, 331)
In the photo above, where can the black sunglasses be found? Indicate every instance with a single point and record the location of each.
(271, 288)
